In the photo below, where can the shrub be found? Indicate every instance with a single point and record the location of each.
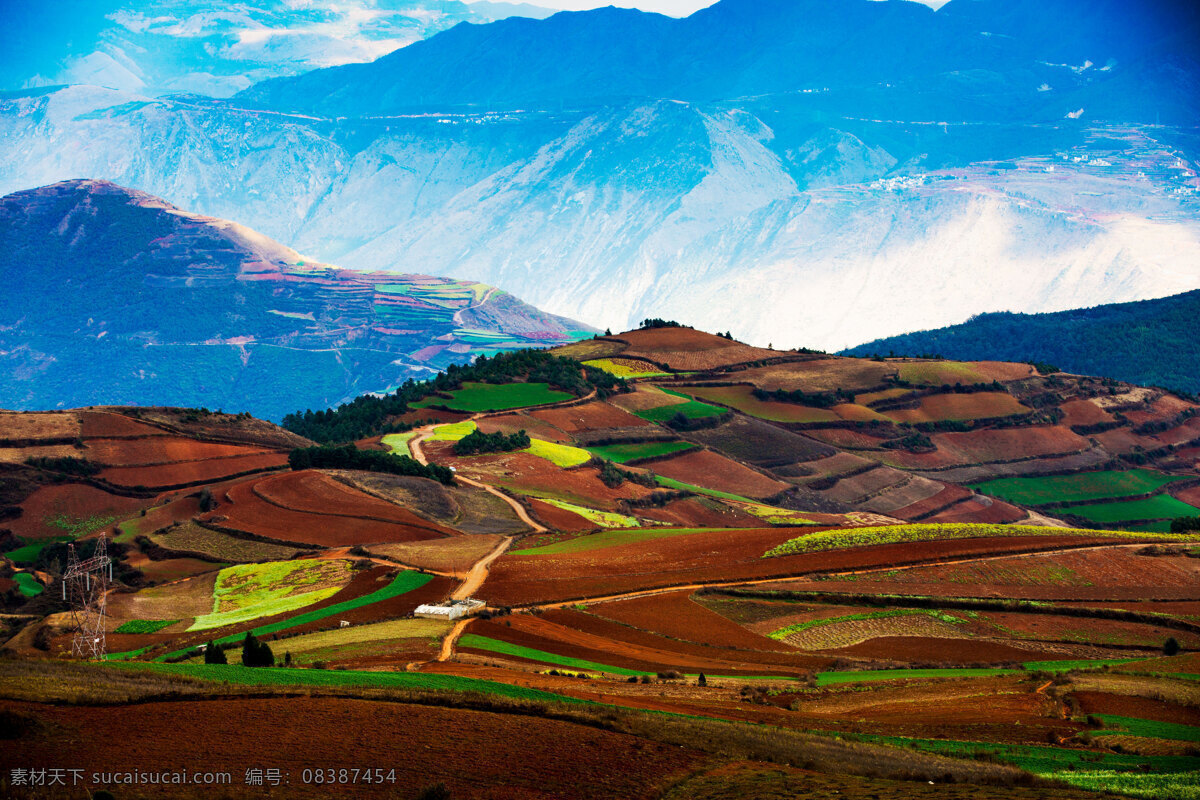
(348, 456)
(256, 653)
(1171, 647)
(215, 655)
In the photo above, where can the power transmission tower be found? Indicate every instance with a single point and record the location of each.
(85, 587)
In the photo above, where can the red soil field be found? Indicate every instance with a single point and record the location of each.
(1004, 444)
(511, 423)
(980, 509)
(100, 424)
(559, 519)
(576, 635)
(70, 503)
(425, 414)
(918, 649)
(193, 472)
(1084, 412)
(242, 509)
(1089, 631)
(162, 516)
(979, 405)
(718, 556)
(173, 569)
(162, 450)
(688, 349)
(949, 494)
(1123, 440)
(714, 471)
(527, 474)
(1190, 496)
(1164, 409)
(697, 513)
(1183, 433)
(589, 417)
(511, 757)
(1139, 707)
(678, 616)
(316, 493)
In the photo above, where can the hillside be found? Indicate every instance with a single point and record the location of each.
(873, 550)
(115, 296)
(1151, 343)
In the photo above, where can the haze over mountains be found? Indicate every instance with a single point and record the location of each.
(214, 48)
(114, 296)
(801, 173)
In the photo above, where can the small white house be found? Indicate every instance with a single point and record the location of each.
(451, 609)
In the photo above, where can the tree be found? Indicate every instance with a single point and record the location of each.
(608, 331)
(207, 503)
(1171, 647)
(702, 681)
(214, 654)
(256, 653)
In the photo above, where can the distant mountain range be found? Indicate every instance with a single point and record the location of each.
(214, 48)
(806, 173)
(1153, 343)
(112, 296)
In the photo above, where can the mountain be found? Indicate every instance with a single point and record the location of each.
(973, 59)
(1152, 342)
(851, 201)
(212, 48)
(115, 296)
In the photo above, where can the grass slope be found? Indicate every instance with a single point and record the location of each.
(1083, 486)
(476, 397)
(626, 453)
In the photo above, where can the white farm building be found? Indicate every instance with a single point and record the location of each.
(451, 609)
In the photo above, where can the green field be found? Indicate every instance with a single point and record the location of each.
(898, 534)
(857, 676)
(603, 519)
(1152, 777)
(692, 409)
(476, 397)
(671, 483)
(560, 455)
(1158, 507)
(505, 648)
(784, 633)
(28, 585)
(250, 591)
(145, 625)
(1070, 488)
(626, 453)
(27, 553)
(599, 541)
(398, 442)
(403, 583)
(1133, 726)
(288, 676)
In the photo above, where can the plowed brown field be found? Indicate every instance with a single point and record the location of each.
(162, 450)
(511, 423)
(980, 405)
(678, 616)
(820, 375)
(192, 473)
(589, 417)
(511, 757)
(690, 350)
(56, 510)
(245, 510)
(713, 471)
(47, 425)
(980, 510)
(100, 424)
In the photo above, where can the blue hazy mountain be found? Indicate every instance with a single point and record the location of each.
(210, 47)
(113, 296)
(864, 57)
(1152, 343)
(813, 173)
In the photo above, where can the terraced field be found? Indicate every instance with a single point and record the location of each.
(476, 397)
(250, 591)
(639, 451)
(1077, 488)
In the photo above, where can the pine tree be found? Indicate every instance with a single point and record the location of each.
(214, 654)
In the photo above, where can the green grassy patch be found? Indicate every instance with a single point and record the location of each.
(692, 409)
(398, 442)
(28, 585)
(599, 541)
(1134, 726)
(249, 591)
(145, 625)
(475, 397)
(671, 483)
(626, 369)
(1161, 506)
(477, 642)
(27, 553)
(1152, 777)
(603, 519)
(626, 453)
(897, 534)
(290, 676)
(403, 583)
(1083, 486)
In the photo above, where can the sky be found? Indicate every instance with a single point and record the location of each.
(672, 8)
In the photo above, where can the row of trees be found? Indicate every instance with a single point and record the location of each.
(347, 456)
(370, 415)
(479, 442)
